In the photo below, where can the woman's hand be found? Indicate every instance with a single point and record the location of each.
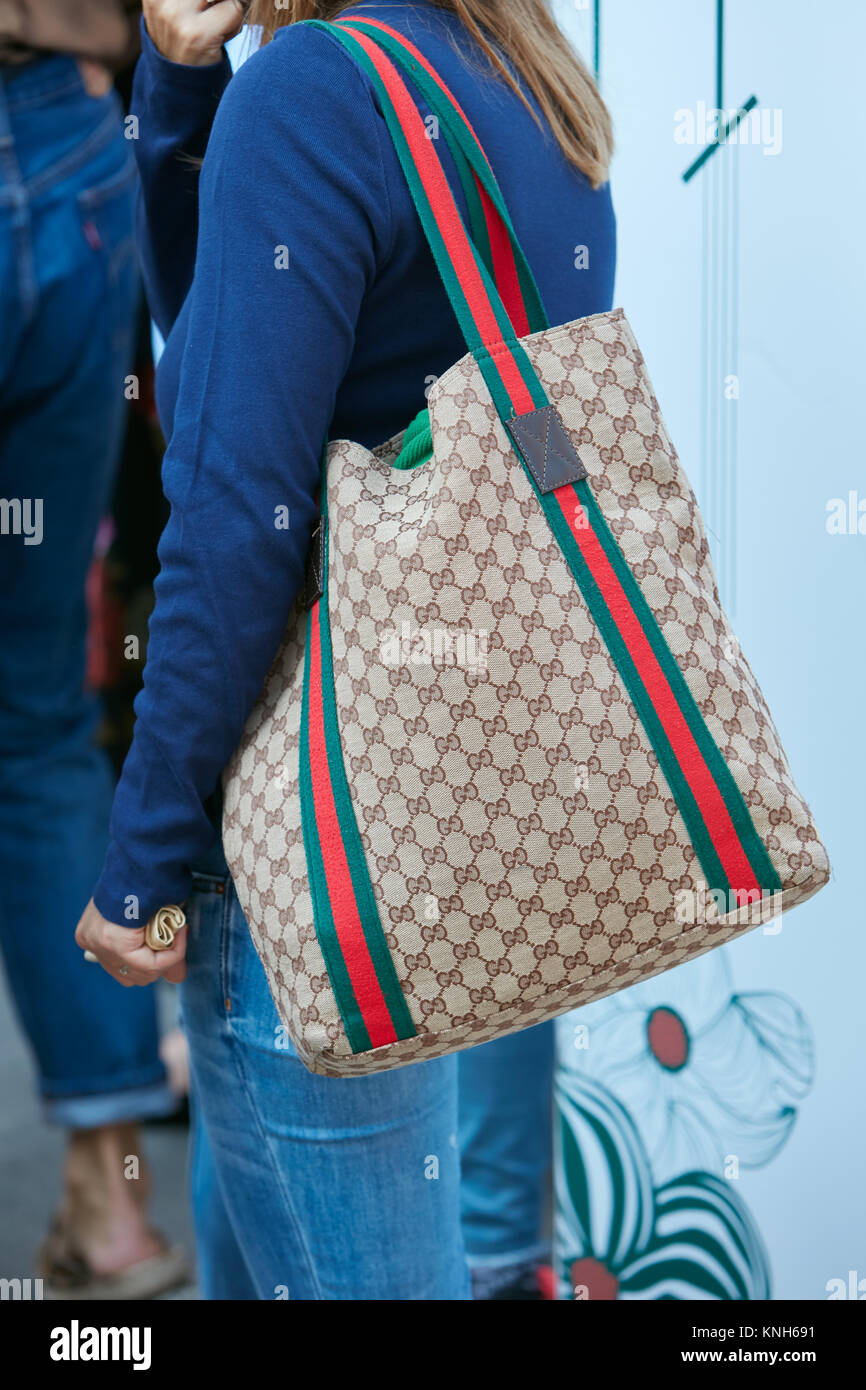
(193, 32)
(122, 952)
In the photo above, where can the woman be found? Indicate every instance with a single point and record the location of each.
(311, 305)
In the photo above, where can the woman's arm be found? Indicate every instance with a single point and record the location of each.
(294, 219)
(175, 107)
(179, 79)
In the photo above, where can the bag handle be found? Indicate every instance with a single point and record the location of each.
(490, 223)
(484, 321)
(491, 226)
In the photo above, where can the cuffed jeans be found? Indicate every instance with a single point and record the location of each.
(68, 297)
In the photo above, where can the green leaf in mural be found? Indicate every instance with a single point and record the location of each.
(617, 1237)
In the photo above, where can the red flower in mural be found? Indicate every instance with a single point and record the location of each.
(596, 1279)
(667, 1038)
(706, 1074)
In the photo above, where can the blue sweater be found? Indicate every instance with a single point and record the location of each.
(262, 363)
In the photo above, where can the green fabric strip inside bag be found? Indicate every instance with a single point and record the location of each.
(417, 442)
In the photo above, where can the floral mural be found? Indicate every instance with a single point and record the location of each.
(664, 1092)
(618, 1235)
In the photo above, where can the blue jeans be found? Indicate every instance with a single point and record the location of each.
(308, 1187)
(506, 1144)
(68, 299)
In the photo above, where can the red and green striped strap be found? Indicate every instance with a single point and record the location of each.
(358, 960)
(482, 316)
(490, 226)
(726, 843)
(490, 222)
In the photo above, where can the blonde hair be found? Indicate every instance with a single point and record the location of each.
(526, 33)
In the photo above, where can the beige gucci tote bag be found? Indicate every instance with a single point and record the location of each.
(510, 756)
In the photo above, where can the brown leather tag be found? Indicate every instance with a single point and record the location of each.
(540, 439)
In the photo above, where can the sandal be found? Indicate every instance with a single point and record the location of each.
(67, 1274)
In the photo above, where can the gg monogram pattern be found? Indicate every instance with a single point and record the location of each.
(525, 850)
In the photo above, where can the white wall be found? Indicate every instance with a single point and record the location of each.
(757, 268)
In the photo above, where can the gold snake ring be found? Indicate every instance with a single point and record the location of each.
(163, 927)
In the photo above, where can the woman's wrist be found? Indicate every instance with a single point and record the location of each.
(165, 73)
(190, 74)
(129, 894)
(214, 60)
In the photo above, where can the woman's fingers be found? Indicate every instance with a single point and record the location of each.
(156, 963)
(143, 965)
(192, 32)
(223, 20)
(127, 979)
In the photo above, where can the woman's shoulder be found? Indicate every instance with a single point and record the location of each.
(297, 136)
(299, 97)
(306, 63)
(302, 63)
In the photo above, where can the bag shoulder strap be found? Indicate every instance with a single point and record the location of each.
(484, 321)
(492, 229)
